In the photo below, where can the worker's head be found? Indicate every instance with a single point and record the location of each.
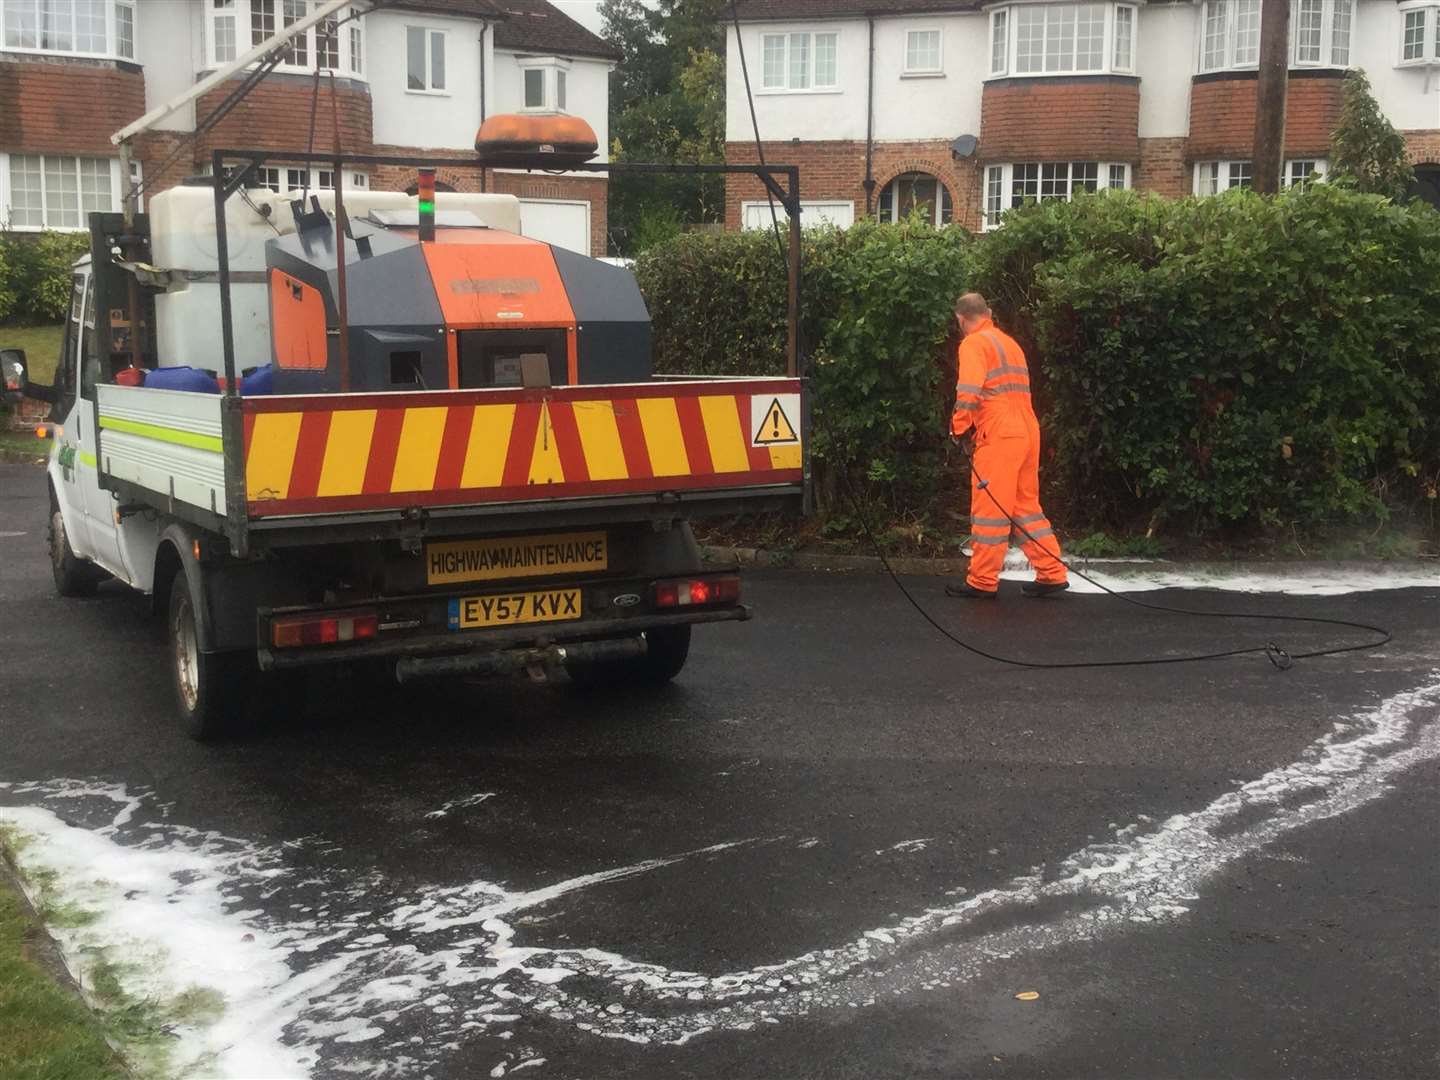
(970, 311)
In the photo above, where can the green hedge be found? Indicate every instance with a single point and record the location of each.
(35, 275)
(1198, 363)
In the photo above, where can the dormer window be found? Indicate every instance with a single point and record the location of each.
(1230, 34)
(1062, 39)
(544, 83)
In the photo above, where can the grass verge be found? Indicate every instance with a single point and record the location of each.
(46, 1031)
(41, 345)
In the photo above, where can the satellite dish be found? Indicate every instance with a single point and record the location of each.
(964, 146)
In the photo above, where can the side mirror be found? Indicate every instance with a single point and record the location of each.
(13, 373)
(15, 376)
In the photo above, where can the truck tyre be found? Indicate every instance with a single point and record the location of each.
(73, 575)
(211, 689)
(669, 648)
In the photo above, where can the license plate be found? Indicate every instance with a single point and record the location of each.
(509, 557)
(514, 609)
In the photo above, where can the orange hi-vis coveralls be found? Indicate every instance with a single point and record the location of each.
(992, 396)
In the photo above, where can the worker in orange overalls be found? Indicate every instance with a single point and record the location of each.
(992, 399)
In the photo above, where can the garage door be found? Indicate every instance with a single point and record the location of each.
(564, 224)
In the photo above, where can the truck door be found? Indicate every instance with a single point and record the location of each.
(74, 416)
(99, 503)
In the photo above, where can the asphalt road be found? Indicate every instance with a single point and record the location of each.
(914, 836)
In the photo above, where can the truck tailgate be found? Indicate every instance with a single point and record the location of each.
(328, 454)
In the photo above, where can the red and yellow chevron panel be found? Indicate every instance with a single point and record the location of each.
(335, 453)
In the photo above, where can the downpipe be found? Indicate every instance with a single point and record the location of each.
(541, 662)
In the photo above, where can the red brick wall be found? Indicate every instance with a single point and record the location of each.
(276, 116)
(1222, 114)
(1087, 118)
(67, 107)
(835, 171)
(1163, 168)
(1423, 147)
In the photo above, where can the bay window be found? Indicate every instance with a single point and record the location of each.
(799, 62)
(1420, 34)
(297, 179)
(336, 43)
(1213, 177)
(1009, 186)
(1319, 34)
(56, 191)
(71, 27)
(1062, 39)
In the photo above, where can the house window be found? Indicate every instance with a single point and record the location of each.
(916, 192)
(296, 179)
(1062, 39)
(1213, 177)
(71, 27)
(545, 83)
(1420, 34)
(840, 214)
(235, 26)
(799, 61)
(425, 60)
(1009, 186)
(51, 191)
(1319, 34)
(1303, 173)
(922, 52)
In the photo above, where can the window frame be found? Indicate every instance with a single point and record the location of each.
(1429, 13)
(244, 14)
(806, 205)
(1231, 166)
(283, 184)
(551, 69)
(431, 33)
(936, 72)
(786, 61)
(117, 193)
(111, 51)
(1327, 37)
(942, 192)
(1003, 22)
(1003, 174)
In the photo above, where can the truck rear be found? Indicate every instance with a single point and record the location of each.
(454, 459)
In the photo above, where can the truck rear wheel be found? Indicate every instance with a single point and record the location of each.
(73, 575)
(668, 647)
(211, 689)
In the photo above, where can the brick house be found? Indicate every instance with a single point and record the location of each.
(966, 109)
(408, 78)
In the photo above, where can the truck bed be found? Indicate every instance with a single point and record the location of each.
(278, 461)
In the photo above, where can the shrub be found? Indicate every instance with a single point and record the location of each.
(1227, 360)
(7, 285)
(35, 270)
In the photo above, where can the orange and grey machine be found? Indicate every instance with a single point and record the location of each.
(473, 308)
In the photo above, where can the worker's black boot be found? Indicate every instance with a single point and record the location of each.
(1042, 588)
(966, 591)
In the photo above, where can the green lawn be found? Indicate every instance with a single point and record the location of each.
(45, 1032)
(41, 345)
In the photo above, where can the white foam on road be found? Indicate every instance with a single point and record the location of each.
(1320, 579)
(333, 983)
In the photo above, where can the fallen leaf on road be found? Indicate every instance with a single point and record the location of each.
(1027, 995)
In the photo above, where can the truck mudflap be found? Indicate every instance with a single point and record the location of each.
(488, 631)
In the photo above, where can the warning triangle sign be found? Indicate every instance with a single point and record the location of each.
(775, 429)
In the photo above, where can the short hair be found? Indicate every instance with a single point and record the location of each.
(972, 305)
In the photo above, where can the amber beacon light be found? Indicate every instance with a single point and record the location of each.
(535, 142)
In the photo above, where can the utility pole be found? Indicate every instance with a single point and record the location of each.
(1269, 156)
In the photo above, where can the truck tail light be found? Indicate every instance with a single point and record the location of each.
(291, 633)
(700, 591)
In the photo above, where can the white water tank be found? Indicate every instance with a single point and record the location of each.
(182, 238)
